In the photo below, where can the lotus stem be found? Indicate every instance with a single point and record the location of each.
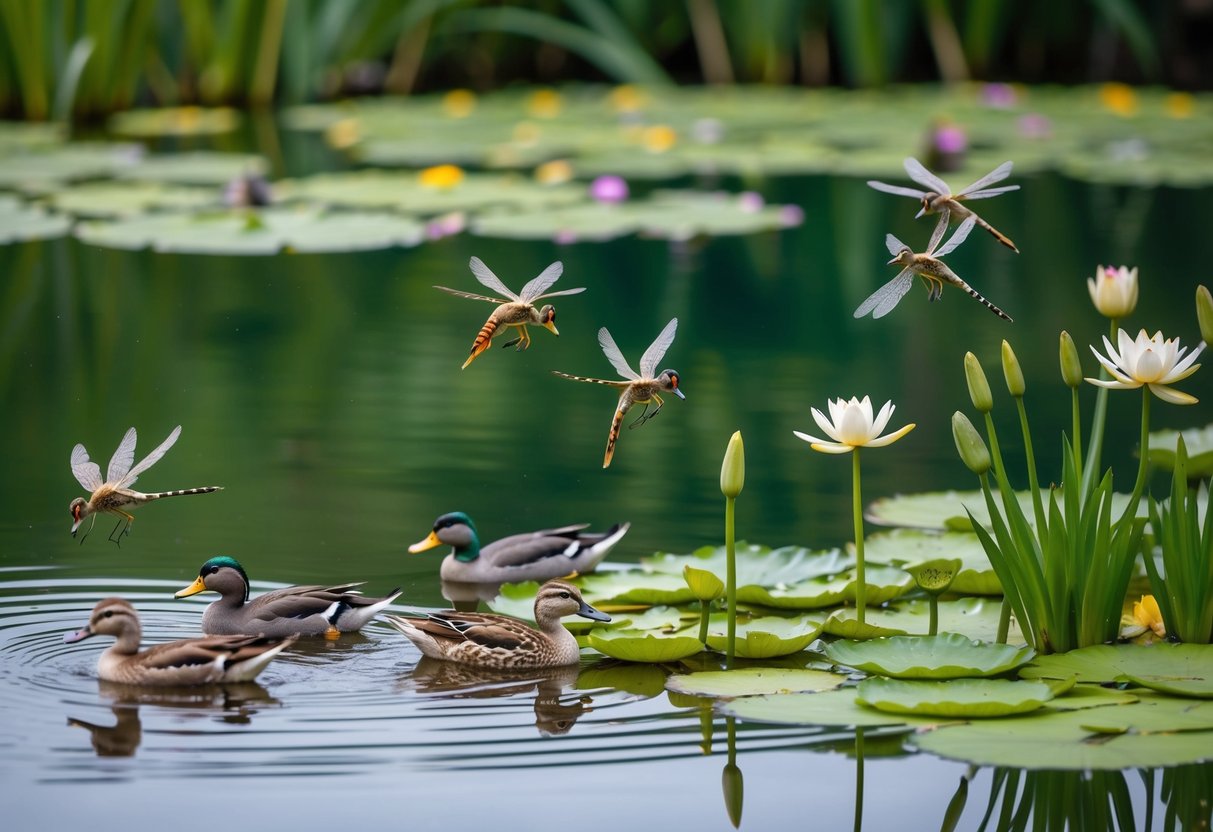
(861, 586)
(1076, 429)
(933, 628)
(1143, 465)
(858, 779)
(1095, 444)
(730, 580)
(1000, 472)
(1033, 483)
(704, 608)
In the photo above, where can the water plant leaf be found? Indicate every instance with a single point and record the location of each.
(750, 681)
(1199, 442)
(976, 618)
(175, 121)
(883, 584)
(200, 167)
(638, 679)
(757, 565)
(1168, 667)
(945, 510)
(643, 646)
(19, 221)
(765, 637)
(38, 170)
(945, 656)
(905, 547)
(956, 698)
(635, 586)
(831, 707)
(264, 231)
(123, 199)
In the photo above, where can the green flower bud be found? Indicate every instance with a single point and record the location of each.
(732, 470)
(1204, 313)
(704, 585)
(979, 388)
(1012, 371)
(1071, 367)
(969, 444)
(935, 576)
(734, 789)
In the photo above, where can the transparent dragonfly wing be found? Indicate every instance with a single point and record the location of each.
(924, 177)
(537, 286)
(558, 294)
(86, 472)
(894, 245)
(958, 237)
(896, 189)
(997, 175)
(121, 461)
(486, 277)
(882, 301)
(657, 349)
(471, 295)
(989, 192)
(615, 355)
(149, 460)
(940, 229)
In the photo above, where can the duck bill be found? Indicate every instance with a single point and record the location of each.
(678, 392)
(921, 213)
(892, 262)
(79, 635)
(550, 326)
(429, 543)
(586, 611)
(193, 589)
(76, 526)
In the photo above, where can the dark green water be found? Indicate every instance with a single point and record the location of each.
(324, 393)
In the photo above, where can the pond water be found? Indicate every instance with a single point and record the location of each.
(324, 393)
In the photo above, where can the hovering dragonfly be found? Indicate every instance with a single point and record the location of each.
(938, 197)
(516, 310)
(928, 266)
(114, 493)
(640, 388)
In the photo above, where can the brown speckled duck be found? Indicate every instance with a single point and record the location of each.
(498, 641)
(191, 661)
(296, 610)
(533, 556)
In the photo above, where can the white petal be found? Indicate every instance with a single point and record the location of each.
(824, 423)
(856, 426)
(1149, 366)
(832, 448)
(890, 438)
(1170, 394)
(808, 437)
(836, 407)
(882, 418)
(866, 407)
(1115, 385)
(1173, 376)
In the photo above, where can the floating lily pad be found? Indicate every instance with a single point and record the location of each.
(908, 546)
(956, 698)
(883, 584)
(976, 618)
(586, 222)
(1199, 442)
(753, 680)
(765, 637)
(38, 170)
(757, 565)
(175, 121)
(642, 646)
(945, 510)
(638, 679)
(264, 231)
(202, 167)
(1182, 669)
(19, 221)
(945, 656)
(125, 199)
(832, 707)
(635, 586)
(18, 136)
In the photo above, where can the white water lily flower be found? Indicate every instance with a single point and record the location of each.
(851, 425)
(1148, 360)
(1114, 291)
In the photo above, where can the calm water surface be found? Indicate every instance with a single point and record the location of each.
(324, 393)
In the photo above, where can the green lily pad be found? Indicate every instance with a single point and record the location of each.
(956, 698)
(635, 586)
(764, 637)
(264, 231)
(831, 707)
(904, 547)
(200, 167)
(934, 576)
(19, 221)
(19, 136)
(727, 684)
(883, 584)
(41, 169)
(518, 601)
(1154, 731)
(976, 618)
(705, 585)
(757, 565)
(1199, 442)
(1182, 669)
(175, 121)
(638, 679)
(124, 199)
(643, 646)
(945, 656)
(945, 510)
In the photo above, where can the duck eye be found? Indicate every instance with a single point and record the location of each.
(565, 595)
(109, 613)
(212, 570)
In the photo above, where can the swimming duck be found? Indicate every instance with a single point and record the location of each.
(501, 642)
(296, 610)
(191, 661)
(534, 556)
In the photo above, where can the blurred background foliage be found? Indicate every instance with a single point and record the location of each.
(75, 59)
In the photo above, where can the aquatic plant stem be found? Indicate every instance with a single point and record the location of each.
(1004, 622)
(704, 608)
(1143, 465)
(1033, 482)
(1076, 428)
(858, 779)
(1095, 443)
(730, 579)
(861, 586)
(933, 627)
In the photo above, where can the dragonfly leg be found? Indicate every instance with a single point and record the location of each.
(87, 531)
(127, 519)
(642, 418)
(524, 338)
(511, 343)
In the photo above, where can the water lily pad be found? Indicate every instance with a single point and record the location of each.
(905, 546)
(831, 707)
(201, 167)
(642, 646)
(41, 169)
(757, 565)
(945, 656)
(750, 681)
(635, 586)
(638, 679)
(765, 637)
(976, 618)
(124, 199)
(19, 221)
(1199, 442)
(1182, 669)
(586, 222)
(945, 510)
(264, 231)
(175, 121)
(883, 584)
(956, 698)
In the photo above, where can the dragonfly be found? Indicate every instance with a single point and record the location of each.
(639, 388)
(114, 494)
(938, 197)
(516, 310)
(928, 266)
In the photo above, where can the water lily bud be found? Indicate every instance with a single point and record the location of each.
(979, 388)
(704, 585)
(1071, 367)
(969, 444)
(1114, 291)
(734, 789)
(1012, 371)
(1204, 313)
(732, 470)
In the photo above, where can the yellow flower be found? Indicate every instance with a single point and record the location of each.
(659, 138)
(851, 425)
(554, 172)
(1114, 291)
(1147, 615)
(1148, 360)
(1179, 105)
(1119, 98)
(459, 103)
(627, 98)
(440, 176)
(544, 104)
(342, 134)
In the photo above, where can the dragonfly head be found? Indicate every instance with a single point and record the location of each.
(79, 510)
(669, 381)
(928, 204)
(547, 317)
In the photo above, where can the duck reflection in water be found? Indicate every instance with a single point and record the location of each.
(232, 704)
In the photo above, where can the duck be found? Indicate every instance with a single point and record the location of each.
(191, 661)
(499, 642)
(532, 556)
(296, 610)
